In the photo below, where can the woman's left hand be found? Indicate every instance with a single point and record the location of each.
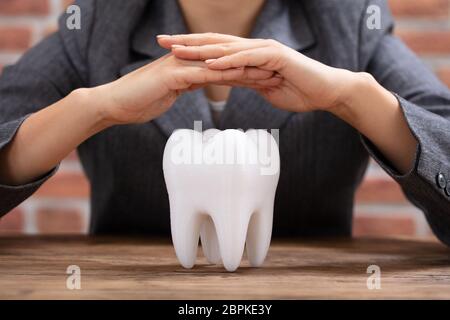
(306, 84)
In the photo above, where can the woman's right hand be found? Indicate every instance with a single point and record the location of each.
(151, 90)
(137, 97)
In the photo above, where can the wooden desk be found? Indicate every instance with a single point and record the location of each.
(127, 268)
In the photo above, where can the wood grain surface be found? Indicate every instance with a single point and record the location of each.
(136, 268)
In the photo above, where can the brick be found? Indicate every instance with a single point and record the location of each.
(380, 190)
(444, 75)
(15, 38)
(426, 42)
(60, 221)
(24, 7)
(383, 226)
(13, 222)
(66, 185)
(420, 8)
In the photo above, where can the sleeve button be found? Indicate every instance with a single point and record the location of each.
(447, 189)
(441, 181)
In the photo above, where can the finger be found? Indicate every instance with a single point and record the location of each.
(272, 82)
(248, 72)
(197, 75)
(203, 74)
(195, 39)
(190, 63)
(195, 87)
(252, 73)
(259, 85)
(254, 84)
(214, 51)
(267, 58)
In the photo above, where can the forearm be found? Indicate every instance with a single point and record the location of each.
(376, 113)
(48, 136)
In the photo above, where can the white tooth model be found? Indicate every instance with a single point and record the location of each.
(221, 185)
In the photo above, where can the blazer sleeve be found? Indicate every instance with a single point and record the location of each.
(425, 102)
(45, 74)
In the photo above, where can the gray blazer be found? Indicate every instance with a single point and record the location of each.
(323, 158)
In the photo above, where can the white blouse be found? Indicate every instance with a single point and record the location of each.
(217, 108)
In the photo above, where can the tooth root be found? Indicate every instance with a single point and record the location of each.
(259, 235)
(210, 244)
(231, 230)
(185, 227)
(217, 199)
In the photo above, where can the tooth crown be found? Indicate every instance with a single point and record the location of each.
(221, 186)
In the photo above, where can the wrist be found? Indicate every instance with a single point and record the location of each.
(356, 87)
(91, 100)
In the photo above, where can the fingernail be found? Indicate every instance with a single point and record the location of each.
(175, 46)
(278, 76)
(162, 36)
(210, 61)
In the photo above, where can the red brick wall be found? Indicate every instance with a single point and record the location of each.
(61, 205)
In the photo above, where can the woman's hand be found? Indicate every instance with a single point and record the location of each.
(149, 91)
(135, 98)
(305, 84)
